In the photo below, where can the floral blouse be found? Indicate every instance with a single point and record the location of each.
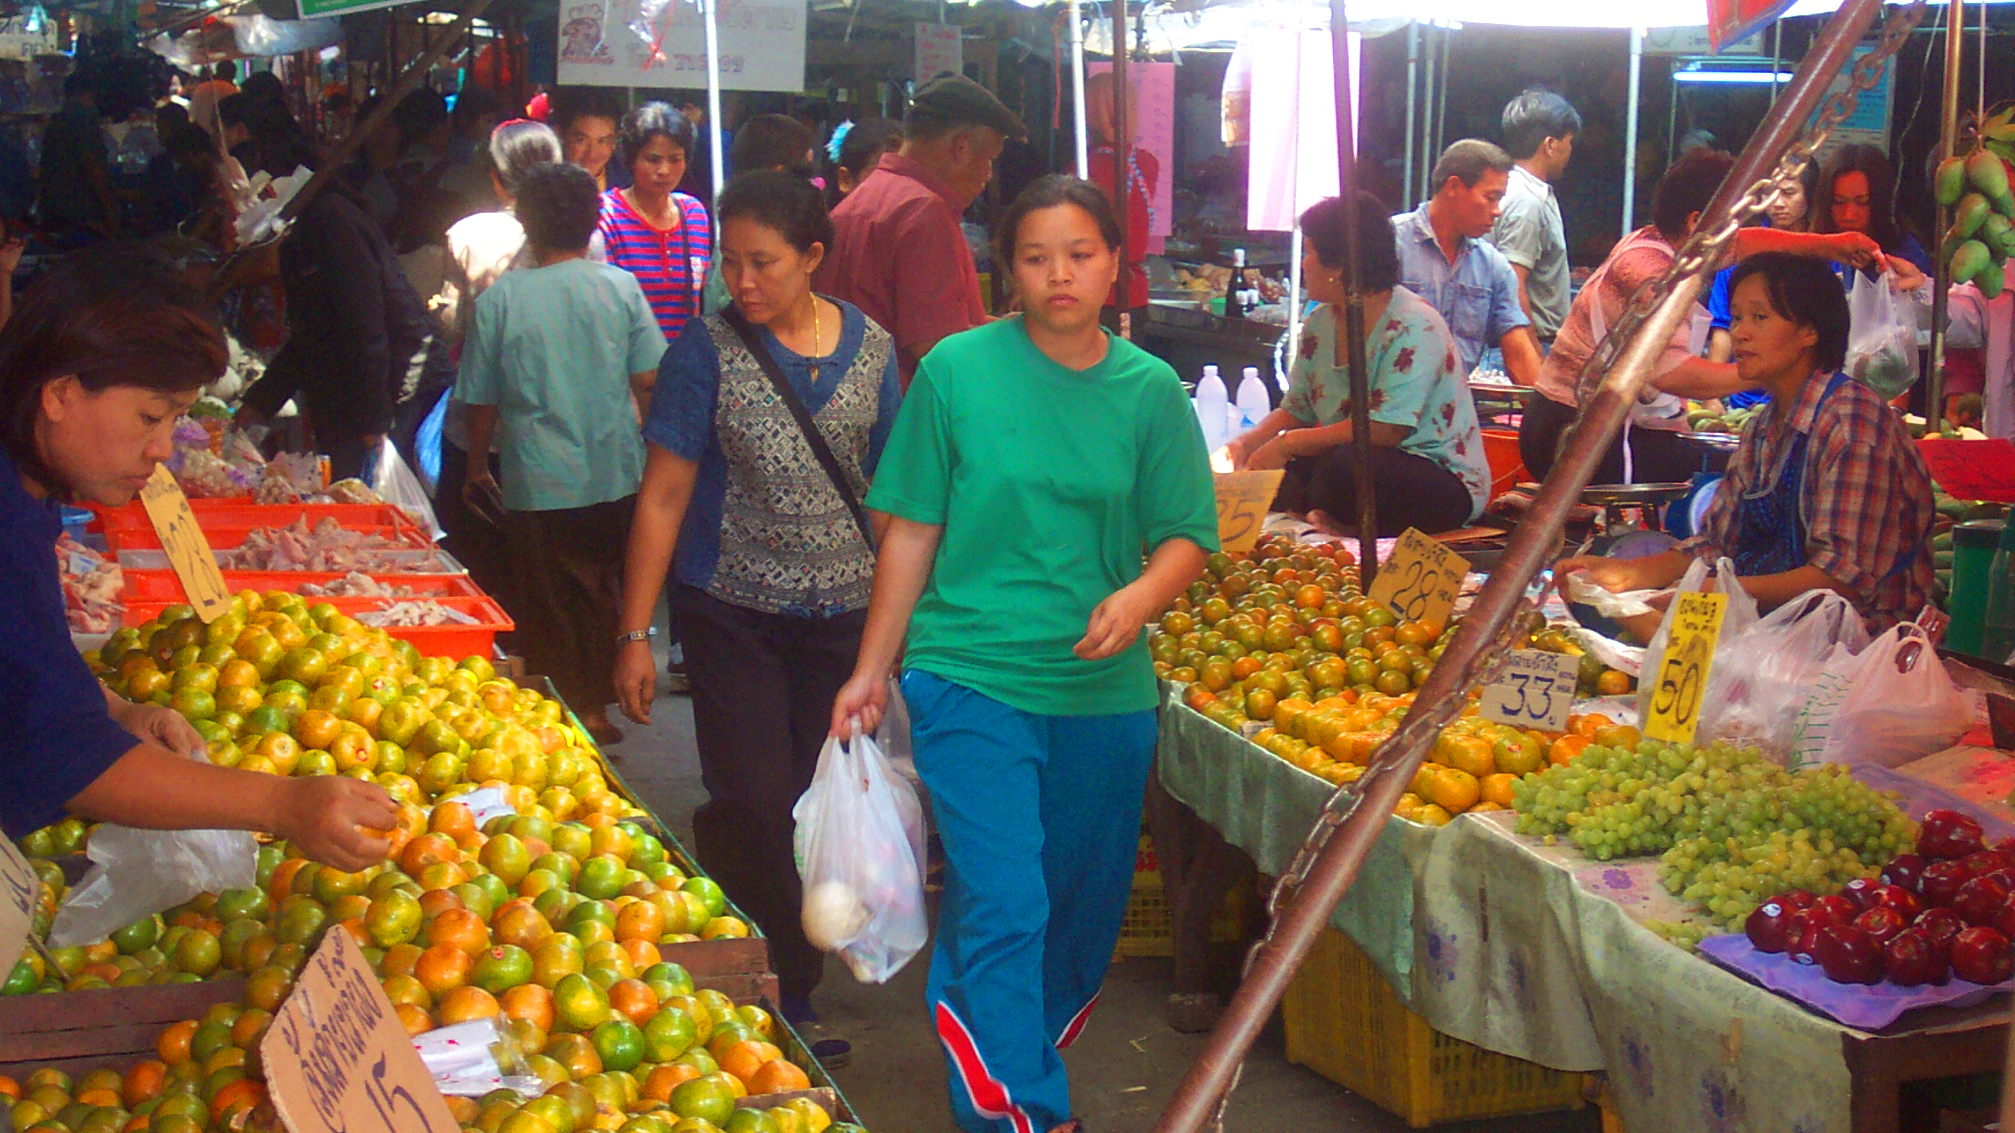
(1416, 383)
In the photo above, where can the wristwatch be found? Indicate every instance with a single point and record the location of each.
(637, 635)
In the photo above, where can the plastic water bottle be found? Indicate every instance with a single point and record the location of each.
(1253, 405)
(1999, 639)
(1212, 402)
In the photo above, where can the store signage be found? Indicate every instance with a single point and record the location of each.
(1421, 578)
(1696, 41)
(1730, 20)
(336, 1059)
(939, 49)
(1869, 124)
(1971, 470)
(27, 35)
(1151, 121)
(1536, 691)
(1242, 500)
(188, 551)
(1682, 672)
(20, 897)
(663, 43)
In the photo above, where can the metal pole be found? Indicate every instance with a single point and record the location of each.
(1122, 151)
(1353, 303)
(1077, 85)
(1412, 96)
(1427, 135)
(713, 26)
(1307, 910)
(1294, 247)
(1630, 131)
(1441, 99)
(1941, 271)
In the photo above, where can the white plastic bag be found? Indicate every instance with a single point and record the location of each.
(1763, 675)
(395, 482)
(1735, 620)
(1890, 705)
(1881, 336)
(137, 873)
(859, 848)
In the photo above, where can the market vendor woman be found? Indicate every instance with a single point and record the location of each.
(101, 359)
(1826, 491)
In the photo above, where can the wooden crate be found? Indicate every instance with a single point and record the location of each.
(82, 1030)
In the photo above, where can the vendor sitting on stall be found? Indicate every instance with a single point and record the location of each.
(1428, 469)
(1826, 491)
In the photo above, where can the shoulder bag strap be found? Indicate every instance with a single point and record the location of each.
(813, 437)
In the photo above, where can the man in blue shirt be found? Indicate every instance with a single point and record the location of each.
(1444, 259)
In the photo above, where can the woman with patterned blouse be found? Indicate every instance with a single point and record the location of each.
(770, 586)
(1428, 469)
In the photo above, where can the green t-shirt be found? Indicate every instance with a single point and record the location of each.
(1050, 484)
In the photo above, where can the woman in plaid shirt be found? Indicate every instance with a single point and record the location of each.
(1827, 491)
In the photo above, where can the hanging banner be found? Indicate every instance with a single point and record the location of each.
(762, 44)
(1730, 20)
(1293, 153)
(1151, 121)
(1869, 124)
(939, 49)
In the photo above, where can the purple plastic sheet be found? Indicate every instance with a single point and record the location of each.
(1863, 1007)
(1920, 798)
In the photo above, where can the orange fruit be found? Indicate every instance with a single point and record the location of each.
(528, 1001)
(141, 1082)
(1497, 788)
(443, 968)
(434, 902)
(633, 999)
(744, 1058)
(1617, 735)
(244, 1089)
(777, 1076)
(466, 1003)
(1588, 725)
(640, 920)
(428, 849)
(642, 953)
(453, 819)
(250, 1028)
(280, 885)
(413, 1018)
(662, 1081)
(173, 1045)
(399, 959)
(1563, 750)
(265, 989)
(1453, 790)
(458, 927)
(576, 1053)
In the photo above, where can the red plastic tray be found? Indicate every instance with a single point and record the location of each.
(165, 586)
(431, 641)
(224, 537)
(241, 513)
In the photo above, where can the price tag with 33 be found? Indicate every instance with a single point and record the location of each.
(1421, 579)
(1536, 691)
(1682, 672)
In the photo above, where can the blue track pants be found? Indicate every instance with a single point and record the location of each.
(1040, 818)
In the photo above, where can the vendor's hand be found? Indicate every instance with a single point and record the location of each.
(337, 820)
(1613, 575)
(1855, 248)
(1239, 451)
(860, 704)
(636, 679)
(1273, 454)
(1116, 623)
(1904, 275)
(163, 726)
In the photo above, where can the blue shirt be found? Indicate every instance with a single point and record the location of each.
(59, 736)
(681, 422)
(1477, 295)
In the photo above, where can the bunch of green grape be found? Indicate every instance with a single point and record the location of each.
(1624, 802)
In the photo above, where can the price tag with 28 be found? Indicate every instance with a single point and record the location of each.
(1421, 579)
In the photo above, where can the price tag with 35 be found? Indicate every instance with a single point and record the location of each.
(1682, 673)
(20, 897)
(1536, 691)
(1421, 579)
(1242, 500)
(183, 542)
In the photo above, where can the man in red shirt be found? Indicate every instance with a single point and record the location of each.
(1141, 173)
(898, 252)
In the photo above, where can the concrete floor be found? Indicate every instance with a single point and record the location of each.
(1123, 1069)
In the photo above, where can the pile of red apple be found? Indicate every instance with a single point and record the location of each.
(1945, 910)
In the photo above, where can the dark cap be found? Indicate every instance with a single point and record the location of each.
(958, 99)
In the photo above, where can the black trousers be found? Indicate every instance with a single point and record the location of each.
(570, 570)
(476, 543)
(1657, 455)
(1407, 490)
(763, 690)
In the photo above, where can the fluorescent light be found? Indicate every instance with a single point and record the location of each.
(1730, 77)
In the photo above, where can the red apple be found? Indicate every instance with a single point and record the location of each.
(1861, 891)
(1983, 861)
(1948, 834)
(1911, 958)
(1841, 909)
(1769, 926)
(1980, 900)
(1881, 924)
(1983, 956)
(1898, 898)
(1941, 924)
(1805, 926)
(1796, 899)
(1903, 870)
(2005, 919)
(1848, 955)
(1941, 882)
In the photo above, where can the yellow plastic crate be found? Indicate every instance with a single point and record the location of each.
(1148, 929)
(1346, 1024)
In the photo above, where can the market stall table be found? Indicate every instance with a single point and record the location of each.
(1528, 949)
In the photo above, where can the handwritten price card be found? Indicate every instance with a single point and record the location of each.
(187, 549)
(1535, 692)
(1682, 674)
(1421, 579)
(20, 897)
(1242, 500)
(337, 1061)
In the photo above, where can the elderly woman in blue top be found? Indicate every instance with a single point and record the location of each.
(771, 587)
(104, 355)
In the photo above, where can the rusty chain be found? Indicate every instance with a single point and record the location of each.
(1701, 249)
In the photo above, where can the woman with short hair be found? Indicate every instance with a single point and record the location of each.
(651, 230)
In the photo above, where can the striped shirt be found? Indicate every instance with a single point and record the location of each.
(1866, 498)
(671, 265)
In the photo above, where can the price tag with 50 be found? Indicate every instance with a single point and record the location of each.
(1421, 579)
(1682, 673)
(1535, 692)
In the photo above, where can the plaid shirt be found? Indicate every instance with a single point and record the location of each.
(1866, 497)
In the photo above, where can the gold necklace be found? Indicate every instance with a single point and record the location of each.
(815, 338)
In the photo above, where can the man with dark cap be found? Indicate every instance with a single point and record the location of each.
(898, 253)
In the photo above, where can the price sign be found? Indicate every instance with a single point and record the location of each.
(188, 551)
(1535, 692)
(20, 897)
(1682, 674)
(1242, 500)
(337, 1061)
(1421, 579)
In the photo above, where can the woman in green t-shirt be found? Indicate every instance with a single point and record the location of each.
(1033, 463)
